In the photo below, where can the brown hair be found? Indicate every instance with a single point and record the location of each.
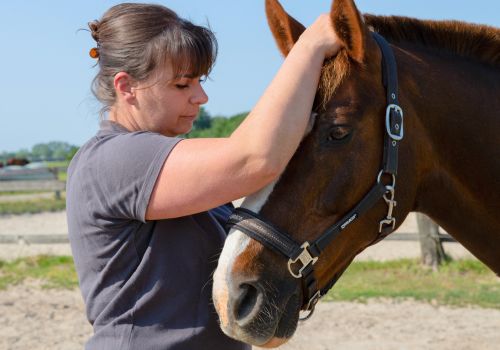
(137, 38)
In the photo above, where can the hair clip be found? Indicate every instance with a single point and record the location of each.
(94, 52)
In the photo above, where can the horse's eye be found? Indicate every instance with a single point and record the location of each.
(339, 133)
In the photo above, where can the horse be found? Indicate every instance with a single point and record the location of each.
(17, 161)
(435, 151)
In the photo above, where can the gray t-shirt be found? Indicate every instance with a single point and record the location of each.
(146, 284)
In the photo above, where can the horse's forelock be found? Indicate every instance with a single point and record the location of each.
(333, 73)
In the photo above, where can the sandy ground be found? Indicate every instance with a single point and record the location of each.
(36, 319)
(33, 318)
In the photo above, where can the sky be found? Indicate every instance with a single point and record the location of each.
(46, 71)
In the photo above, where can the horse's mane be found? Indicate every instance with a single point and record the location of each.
(478, 42)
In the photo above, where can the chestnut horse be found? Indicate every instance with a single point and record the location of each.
(449, 162)
(17, 161)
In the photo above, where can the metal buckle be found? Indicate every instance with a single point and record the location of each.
(398, 109)
(311, 306)
(305, 258)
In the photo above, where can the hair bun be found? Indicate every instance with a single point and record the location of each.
(94, 30)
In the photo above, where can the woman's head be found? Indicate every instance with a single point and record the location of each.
(140, 39)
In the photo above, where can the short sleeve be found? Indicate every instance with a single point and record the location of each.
(123, 169)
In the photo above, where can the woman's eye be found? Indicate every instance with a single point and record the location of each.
(181, 86)
(339, 133)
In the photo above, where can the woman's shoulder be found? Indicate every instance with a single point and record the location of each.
(114, 144)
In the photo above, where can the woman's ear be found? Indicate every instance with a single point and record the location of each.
(124, 87)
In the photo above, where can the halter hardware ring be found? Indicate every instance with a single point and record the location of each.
(379, 178)
(399, 136)
(305, 258)
(311, 306)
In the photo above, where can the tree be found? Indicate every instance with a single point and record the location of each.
(41, 151)
(23, 153)
(203, 121)
(72, 152)
(4, 156)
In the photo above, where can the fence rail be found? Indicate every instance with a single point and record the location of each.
(32, 185)
(27, 180)
(62, 238)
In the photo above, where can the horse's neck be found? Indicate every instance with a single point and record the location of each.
(453, 124)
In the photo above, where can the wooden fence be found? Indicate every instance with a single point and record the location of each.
(28, 180)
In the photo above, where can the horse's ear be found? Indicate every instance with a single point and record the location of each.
(286, 29)
(350, 28)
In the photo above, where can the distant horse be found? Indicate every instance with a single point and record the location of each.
(17, 161)
(368, 161)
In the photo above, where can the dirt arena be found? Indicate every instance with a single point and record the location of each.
(33, 318)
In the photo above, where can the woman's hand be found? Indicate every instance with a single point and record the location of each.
(322, 37)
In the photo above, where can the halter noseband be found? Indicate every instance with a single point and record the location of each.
(302, 257)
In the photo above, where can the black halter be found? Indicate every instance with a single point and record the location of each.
(302, 257)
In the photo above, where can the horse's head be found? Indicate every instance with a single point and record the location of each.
(257, 299)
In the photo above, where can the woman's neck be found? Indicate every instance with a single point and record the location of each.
(123, 117)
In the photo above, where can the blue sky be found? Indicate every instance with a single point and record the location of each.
(46, 71)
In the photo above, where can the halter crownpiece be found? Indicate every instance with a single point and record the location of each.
(302, 257)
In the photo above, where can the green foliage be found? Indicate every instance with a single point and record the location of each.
(459, 282)
(203, 121)
(22, 153)
(71, 153)
(220, 127)
(6, 155)
(53, 271)
(41, 151)
(54, 150)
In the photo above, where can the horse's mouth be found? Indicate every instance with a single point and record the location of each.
(287, 324)
(276, 331)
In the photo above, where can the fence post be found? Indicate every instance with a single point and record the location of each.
(55, 171)
(430, 244)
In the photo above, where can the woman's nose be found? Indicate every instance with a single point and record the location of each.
(199, 97)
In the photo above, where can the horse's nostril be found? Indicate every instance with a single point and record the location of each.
(247, 302)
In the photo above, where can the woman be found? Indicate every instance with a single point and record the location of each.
(142, 227)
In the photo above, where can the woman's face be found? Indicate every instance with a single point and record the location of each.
(169, 104)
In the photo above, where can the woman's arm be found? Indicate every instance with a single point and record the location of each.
(200, 174)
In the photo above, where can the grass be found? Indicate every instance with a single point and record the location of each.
(61, 175)
(57, 164)
(32, 206)
(14, 193)
(52, 271)
(458, 283)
